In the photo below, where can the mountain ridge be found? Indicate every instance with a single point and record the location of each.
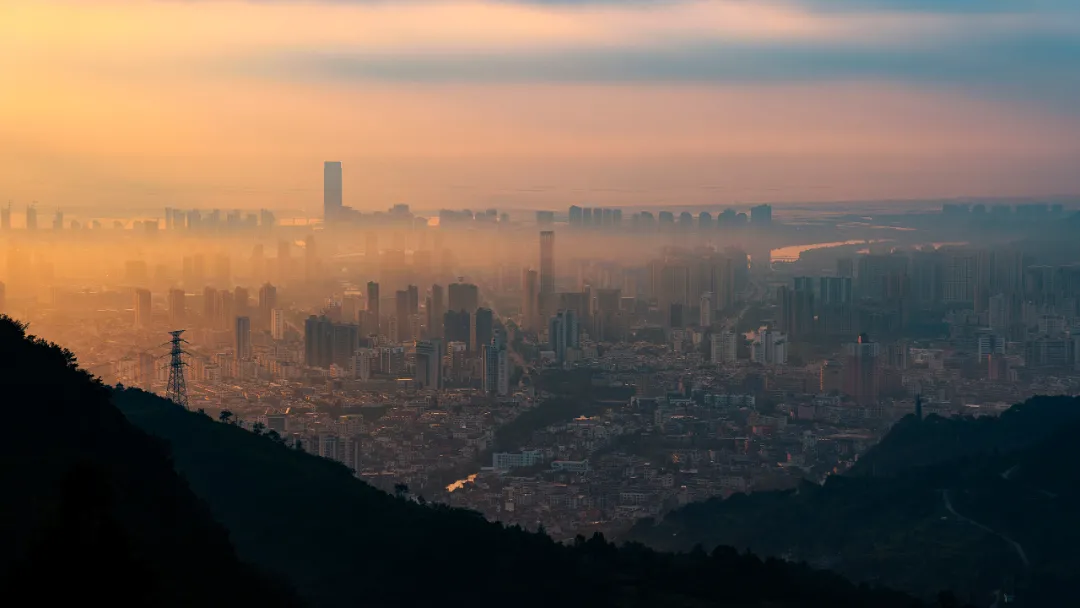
(93, 503)
(937, 504)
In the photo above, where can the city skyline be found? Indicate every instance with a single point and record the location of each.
(535, 104)
(686, 302)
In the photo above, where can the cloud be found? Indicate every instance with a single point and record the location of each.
(868, 97)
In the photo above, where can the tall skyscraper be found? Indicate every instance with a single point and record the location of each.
(177, 312)
(277, 324)
(31, 217)
(318, 335)
(607, 321)
(861, 371)
(332, 198)
(483, 328)
(834, 290)
(143, 310)
(267, 301)
(243, 339)
(371, 324)
(796, 310)
(706, 314)
(496, 378)
(435, 309)
(5, 218)
(346, 340)
(225, 310)
(429, 364)
(960, 273)
(724, 347)
(546, 296)
(456, 327)
(401, 316)
(563, 333)
(999, 313)
(414, 299)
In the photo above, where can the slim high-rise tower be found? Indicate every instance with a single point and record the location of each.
(546, 297)
(142, 308)
(401, 316)
(243, 338)
(331, 190)
(496, 376)
(429, 364)
(267, 302)
(371, 324)
(435, 310)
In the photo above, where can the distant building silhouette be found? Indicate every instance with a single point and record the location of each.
(143, 310)
(242, 339)
(332, 194)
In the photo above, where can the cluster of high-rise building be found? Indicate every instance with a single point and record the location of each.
(586, 218)
(191, 220)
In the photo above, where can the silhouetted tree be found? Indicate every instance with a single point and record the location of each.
(947, 599)
(225, 416)
(401, 490)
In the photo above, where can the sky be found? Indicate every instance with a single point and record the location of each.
(520, 104)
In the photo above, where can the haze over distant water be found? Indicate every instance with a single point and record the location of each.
(519, 104)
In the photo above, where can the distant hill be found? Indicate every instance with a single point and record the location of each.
(914, 443)
(938, 504)
(92, 509)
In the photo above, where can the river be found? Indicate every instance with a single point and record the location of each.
(793, 252)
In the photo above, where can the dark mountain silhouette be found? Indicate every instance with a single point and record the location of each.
(914, 443)
(92, 508)
(342, 542)
(970, 505)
